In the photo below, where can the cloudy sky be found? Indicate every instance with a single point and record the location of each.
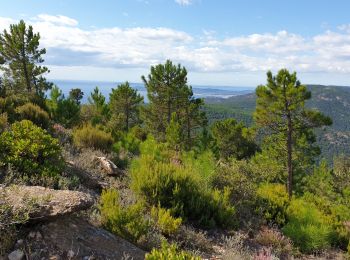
(220, 42)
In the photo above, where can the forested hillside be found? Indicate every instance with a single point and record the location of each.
(333, 101)
(120, 179)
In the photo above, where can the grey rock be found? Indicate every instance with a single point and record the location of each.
(16, 255)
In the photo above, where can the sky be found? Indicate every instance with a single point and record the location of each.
(220, 42)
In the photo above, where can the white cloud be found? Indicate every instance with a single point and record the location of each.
(184, 2)
(5, 22)
(56, 19)
(139, 47)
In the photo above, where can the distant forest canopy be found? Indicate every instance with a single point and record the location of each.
(333, 101)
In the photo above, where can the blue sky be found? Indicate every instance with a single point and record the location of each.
(221, 42)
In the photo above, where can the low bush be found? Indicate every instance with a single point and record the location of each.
(309, 229)
(127, 222)
(170, 252)
(280, 245)
(193, 239)
(34, 113)
(30, 151)
(92, 137)
(3, 122)
(174, 187)
(167, 224)
(272, 203)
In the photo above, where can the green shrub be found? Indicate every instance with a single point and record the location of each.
(179, 188)
(170, 252)
(34, 113)
(309, 228)
(127, 222)
(31, 151)
(272, 202)
(166, 223)
(3, 122)
(203, 163)
(128, 142)
(92, 137)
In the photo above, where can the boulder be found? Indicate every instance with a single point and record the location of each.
(72, 237)
(16, 255)
(107, 165)
(45, 203)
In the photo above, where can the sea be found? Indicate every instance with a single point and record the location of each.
(105, 87)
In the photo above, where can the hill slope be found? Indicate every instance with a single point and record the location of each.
(333, 101)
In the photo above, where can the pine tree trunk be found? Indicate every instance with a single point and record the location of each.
(289, 159)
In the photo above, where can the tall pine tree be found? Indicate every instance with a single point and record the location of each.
(124, 103)
(281, 112)
(168, 93)
(20, 57)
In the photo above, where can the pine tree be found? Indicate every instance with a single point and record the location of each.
(124, 104)
(100, 108)
(281, 112)
(233, 139)
(20, 55)
(76, 94)
(168, 93)
(173, 133)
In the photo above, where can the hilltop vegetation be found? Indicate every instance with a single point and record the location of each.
(163, 176)
(333, 101)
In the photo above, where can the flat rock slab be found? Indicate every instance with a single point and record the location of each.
(74, 238)
(45, 203)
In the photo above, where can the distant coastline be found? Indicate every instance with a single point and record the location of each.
(105, 87)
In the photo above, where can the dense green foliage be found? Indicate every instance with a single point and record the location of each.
(233, 139)
(126, 222)
(165, 222)
(65, 111)
(281, 114)
(19, 50)
(168, 93)
(309, 229)
(179, 188)
(333, 140)
(33, 113)
(31, 151)
(169, 252)
(89, 136)
(124, 103)
(273, 202)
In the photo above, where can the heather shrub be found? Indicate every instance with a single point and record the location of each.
(238, 176)
(193, 239)
(178, 188)
(166, 223)
(89, 136)
(3, 122)
(170, 252)
(235, 248)
(127, 222)
(9, 104)
(308, 228)
(34, 113)
(30, 151)
(271, 238)
(272, 202)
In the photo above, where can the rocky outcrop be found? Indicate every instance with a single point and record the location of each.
(74, 238)
(44, 203)
(107, 165)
